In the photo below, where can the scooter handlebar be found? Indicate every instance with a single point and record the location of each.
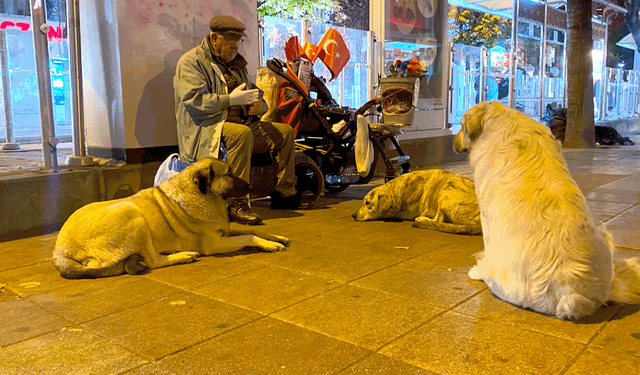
(276, 65)
(365, 107)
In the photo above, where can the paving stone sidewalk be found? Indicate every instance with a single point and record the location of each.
(346, 298)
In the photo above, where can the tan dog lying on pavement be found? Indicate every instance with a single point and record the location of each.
(172, 223)
(542, 250)
(435, 199)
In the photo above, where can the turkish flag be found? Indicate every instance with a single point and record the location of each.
(311, 51)
(292, 48)
(333, 51)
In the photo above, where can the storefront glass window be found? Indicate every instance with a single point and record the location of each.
(466, 79)
(17, 7)
(414, 29)
(554, 69)
(23, 84)
(275, 33)
(15, 23)
(351, 87)
(528, 69)
(55, 10)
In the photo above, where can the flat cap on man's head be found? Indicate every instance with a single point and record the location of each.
(223, 24)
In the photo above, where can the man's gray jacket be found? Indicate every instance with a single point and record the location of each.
(201, 102)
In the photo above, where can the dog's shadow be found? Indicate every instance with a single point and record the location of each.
(244, 251)
(263, 208)
(606, 313)
(609, 312)
(327, 200)
(352, 193)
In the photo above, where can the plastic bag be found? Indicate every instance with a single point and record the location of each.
(363, 147)
(169, 168)
(269, 82)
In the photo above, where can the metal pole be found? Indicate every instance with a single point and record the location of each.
(79, 156)
(604, 77)
(341, 89)
(261, 24)
(371, 88)
(306, 32)
(482, 88)
(543, 63)
(514, 59)
(10, 141)
(41, 49)
(447, 114)
(618, 91)
(377, 65)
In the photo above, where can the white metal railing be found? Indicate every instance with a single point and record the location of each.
(620, 99)
(621, 96)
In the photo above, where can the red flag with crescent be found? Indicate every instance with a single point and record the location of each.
(311, 51)
(292, 48)
(333, 51)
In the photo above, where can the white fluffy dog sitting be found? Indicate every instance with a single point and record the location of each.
(542, 250)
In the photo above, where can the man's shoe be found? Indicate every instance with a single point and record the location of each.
(240, 212)
(278, 202)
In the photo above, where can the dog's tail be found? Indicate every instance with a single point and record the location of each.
(72, 269)
(425, 223)
(625, 285)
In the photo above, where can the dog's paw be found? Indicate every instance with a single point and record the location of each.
(474, 273)
(274, 238)
(182, 257)
(283, 240)
(187, 256)
(276, 247)
(271, 246)
(135, 265)
(424, 223)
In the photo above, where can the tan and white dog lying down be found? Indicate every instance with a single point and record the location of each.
(172, 223)
(434, 198)
(542, 250)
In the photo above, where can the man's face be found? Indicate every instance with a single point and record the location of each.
(226, 45)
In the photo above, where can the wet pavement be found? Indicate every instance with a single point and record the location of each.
(347, 297)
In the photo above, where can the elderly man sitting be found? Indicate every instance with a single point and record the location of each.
(215, 102)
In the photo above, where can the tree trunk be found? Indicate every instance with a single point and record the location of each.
(580, 121)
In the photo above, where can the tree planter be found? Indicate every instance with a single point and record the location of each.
(399, 99)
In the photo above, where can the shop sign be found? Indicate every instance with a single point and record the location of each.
(55, 33)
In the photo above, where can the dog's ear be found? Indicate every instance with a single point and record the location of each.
(371, 199)
(474, 118)
(384, 203)
(202, 178)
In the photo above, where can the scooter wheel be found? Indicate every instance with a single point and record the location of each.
(309, 181)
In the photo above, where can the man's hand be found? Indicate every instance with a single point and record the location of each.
(239, 96)
(256, 108)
